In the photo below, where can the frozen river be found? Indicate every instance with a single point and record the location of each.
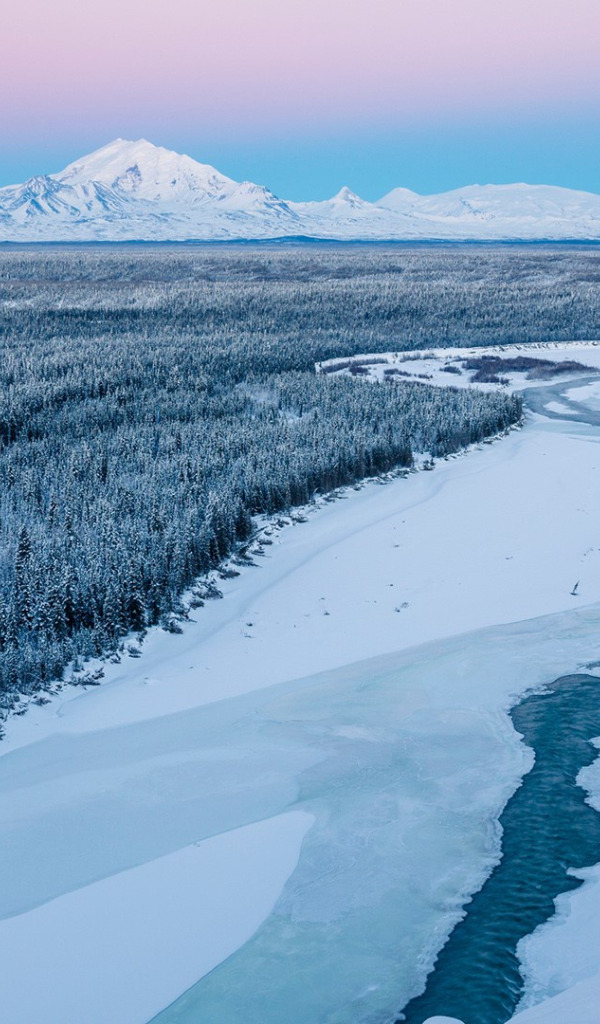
(580, 403)
(288, 805)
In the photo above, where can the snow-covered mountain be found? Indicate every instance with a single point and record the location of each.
(134, 190)
(503, 211)
(138, 191)
(143, 171)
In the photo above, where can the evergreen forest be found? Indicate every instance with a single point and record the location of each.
(154, 399)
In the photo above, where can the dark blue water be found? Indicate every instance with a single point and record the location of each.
(547, 828)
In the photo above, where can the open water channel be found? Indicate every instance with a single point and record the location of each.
(548, 828)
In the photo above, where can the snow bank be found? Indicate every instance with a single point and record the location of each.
(577, 1006)
(442, 1020)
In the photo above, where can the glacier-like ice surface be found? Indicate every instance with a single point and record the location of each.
(99, 953)
(403, 827)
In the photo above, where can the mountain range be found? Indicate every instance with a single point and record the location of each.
(135, 191)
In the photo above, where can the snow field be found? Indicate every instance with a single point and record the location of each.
(429, 366)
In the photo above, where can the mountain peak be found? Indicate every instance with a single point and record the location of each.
(147, 171)
(399, 199)
(346, 195)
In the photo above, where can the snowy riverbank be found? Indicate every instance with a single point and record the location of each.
(386, 635)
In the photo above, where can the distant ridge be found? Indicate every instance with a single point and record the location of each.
(135, 191)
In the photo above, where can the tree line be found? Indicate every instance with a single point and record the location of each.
(152, 403)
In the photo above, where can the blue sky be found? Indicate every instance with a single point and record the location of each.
(307, 95)
(426, 158)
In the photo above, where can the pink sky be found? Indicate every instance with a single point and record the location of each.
(255, 64)
(306, 95)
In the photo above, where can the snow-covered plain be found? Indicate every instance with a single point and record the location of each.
(333, 735)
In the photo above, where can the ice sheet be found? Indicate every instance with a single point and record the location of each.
(403, 825)
(98, 954)
(589, 394)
